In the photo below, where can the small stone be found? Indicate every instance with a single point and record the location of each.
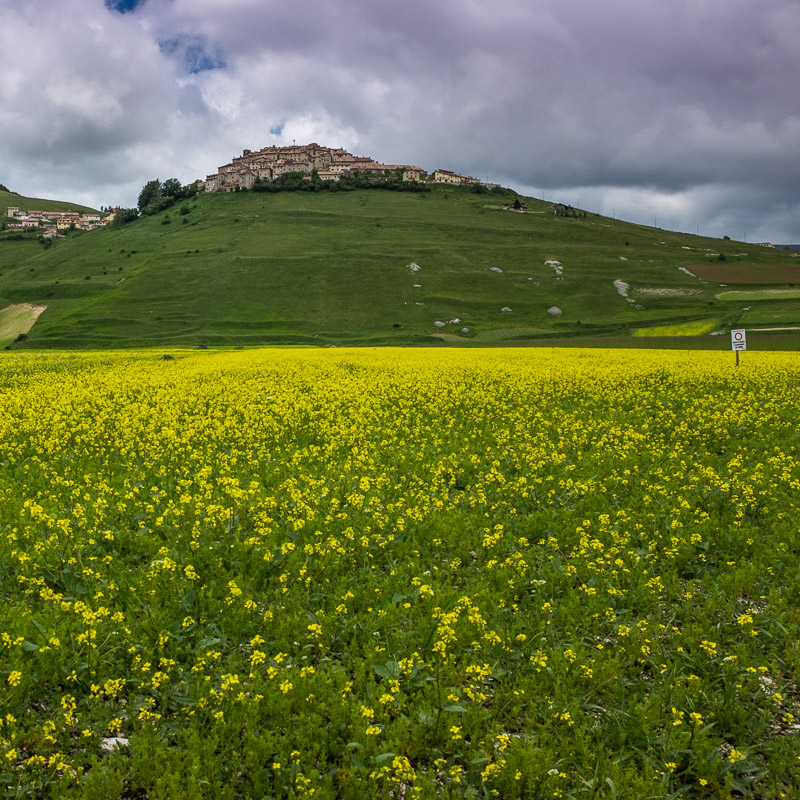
(554, 311)
(439, 323)
(506, 310)
(114, 741)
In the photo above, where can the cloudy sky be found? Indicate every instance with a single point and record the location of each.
(684, 114)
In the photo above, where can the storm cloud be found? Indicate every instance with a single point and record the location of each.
(683, 114)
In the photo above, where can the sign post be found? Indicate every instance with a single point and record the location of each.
(738, 342)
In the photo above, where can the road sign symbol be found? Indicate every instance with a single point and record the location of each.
(738, 340)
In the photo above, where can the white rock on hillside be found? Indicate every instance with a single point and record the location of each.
(114, 741)
(554, 311)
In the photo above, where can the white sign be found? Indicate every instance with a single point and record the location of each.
(738, 340)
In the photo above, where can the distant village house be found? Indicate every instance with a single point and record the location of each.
(53, 221)
(453, 178)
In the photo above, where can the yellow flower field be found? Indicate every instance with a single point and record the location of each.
(399, 573)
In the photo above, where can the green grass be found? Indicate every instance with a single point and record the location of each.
(17, 320)
(745, 295)
(248, 269)
(37, 204)
(787, 314)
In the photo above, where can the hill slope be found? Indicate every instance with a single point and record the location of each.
(319, 268)
(34, 203)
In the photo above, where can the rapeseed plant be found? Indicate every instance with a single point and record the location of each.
(426, 573)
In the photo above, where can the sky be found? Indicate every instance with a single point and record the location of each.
(683, 115)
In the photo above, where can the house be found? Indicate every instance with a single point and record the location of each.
(453, 178)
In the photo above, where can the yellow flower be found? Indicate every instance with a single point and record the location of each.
(734, 756)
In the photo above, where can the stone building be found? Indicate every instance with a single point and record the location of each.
(271, 162)
(453, 178)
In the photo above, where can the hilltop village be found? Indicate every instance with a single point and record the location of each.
(329, 164)
(49, 223)
(245, 172)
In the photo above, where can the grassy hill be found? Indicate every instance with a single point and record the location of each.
(37, 204)
(319, 268)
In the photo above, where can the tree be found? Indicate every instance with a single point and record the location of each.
(151, 192)
(172, 188)
(124, 215)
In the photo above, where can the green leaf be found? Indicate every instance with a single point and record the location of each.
(455, 709)
(678, 792)
(188, 600)
(383, 757)
(182, 701)
(29, 646)
(391, 669)
(592, 707)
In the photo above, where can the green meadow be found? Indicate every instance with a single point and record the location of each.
(324, 268)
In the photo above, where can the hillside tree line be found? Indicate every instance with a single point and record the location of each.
(156, 196)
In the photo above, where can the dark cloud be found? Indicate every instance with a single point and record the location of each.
(688, 108)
